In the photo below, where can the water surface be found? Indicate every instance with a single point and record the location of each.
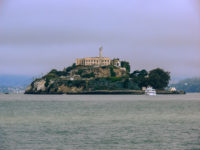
(106, 122)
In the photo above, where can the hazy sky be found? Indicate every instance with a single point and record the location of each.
(38, 35)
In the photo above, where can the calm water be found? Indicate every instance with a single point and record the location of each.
(36, 122)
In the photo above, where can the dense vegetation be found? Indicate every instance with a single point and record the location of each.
(157, 78)
(125, 64)
(112, 83)
(112, 73)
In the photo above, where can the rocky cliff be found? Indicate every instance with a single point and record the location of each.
(79, 79)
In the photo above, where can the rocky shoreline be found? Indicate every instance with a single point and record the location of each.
(111, 92)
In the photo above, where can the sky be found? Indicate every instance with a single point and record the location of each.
(39, 35)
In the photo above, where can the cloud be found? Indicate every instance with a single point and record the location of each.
(36, 35)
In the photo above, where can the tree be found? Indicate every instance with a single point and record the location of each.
(143, 73)
(125, 64)
(68, 69)
(158, 78)
(134, 74)
(143, 78)
(89, 75)
(126, 83)
(140, 77)
(73, 65)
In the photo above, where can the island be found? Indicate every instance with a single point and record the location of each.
(101, 75)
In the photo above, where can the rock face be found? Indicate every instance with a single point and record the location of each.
(79, 79)
(99, 72)
(40, 85)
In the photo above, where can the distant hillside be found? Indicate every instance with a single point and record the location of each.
(14, 83)
(14, 80)
(188, 85)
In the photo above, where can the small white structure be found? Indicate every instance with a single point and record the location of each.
(150, 91)
(144, 88)
(116, 62)
(172, 89)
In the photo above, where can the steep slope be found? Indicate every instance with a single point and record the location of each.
(80, 78)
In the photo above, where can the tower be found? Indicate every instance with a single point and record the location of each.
(100, 52)
(100, 55)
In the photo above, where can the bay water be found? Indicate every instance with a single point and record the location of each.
(99, 122)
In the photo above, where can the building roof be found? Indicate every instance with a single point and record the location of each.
(92, 57)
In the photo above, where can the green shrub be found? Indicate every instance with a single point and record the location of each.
(112, 73)
(90, 75)
(79, 83)
(114, 79)
(75, 83)
(126, 65)
(126, 83)
(80, 71)
(47, 82)
(68, 69)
